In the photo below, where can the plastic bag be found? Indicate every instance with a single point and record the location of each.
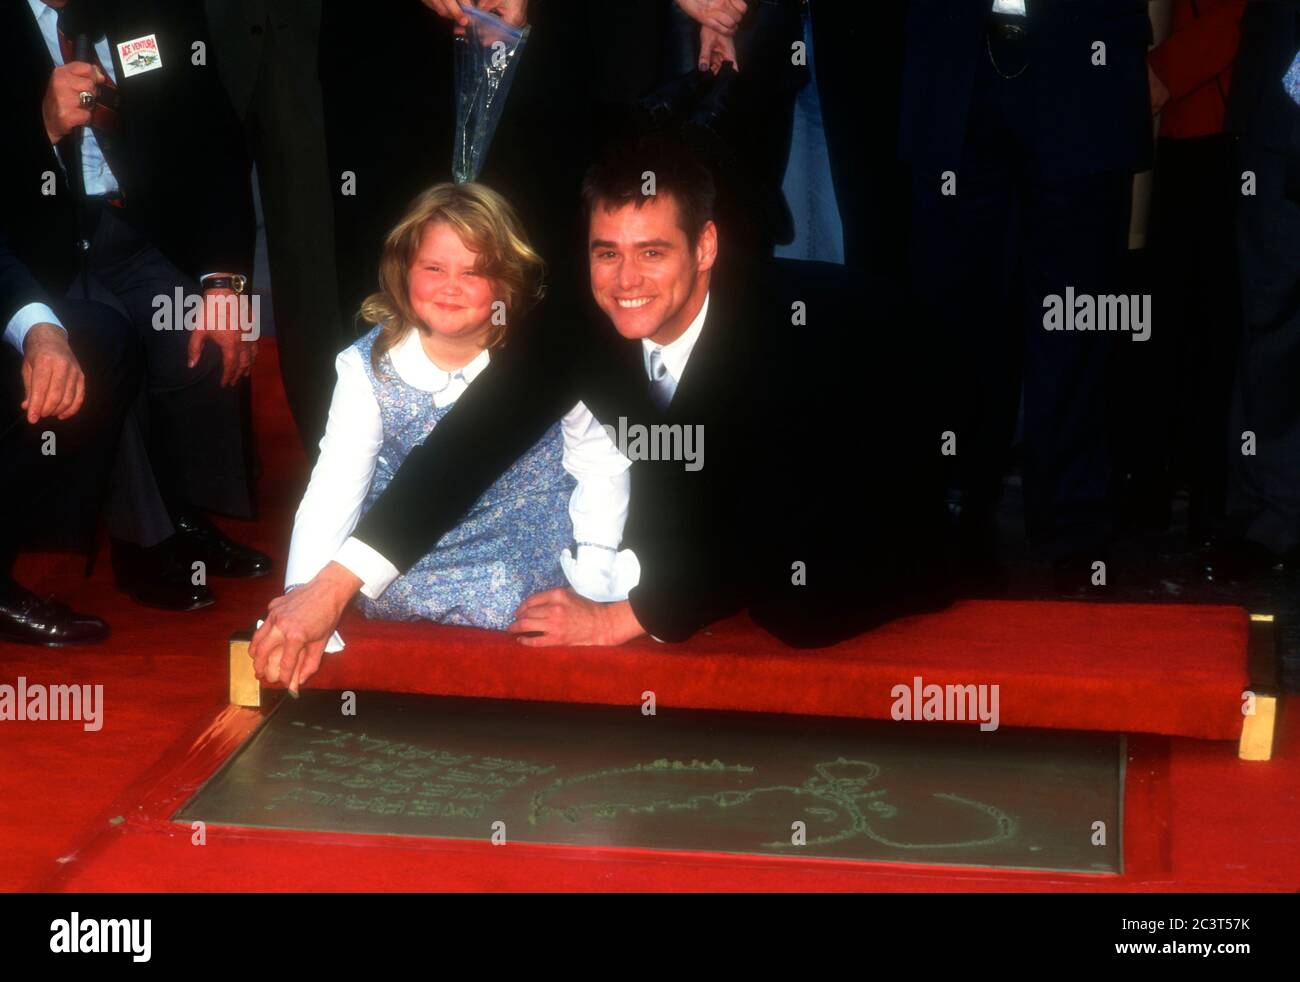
(486, 58)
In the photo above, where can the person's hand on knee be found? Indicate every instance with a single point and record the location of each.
(53, 382)
(220, 324)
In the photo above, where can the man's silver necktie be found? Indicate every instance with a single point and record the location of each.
(662, 384)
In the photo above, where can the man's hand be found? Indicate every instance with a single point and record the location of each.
(513, 12)
(451, 10)
(289, 644)
(723, 16)
(716, 49)
(563, 617)
(61, 108)
(1160, 94)
(219, 324)
(53, 382)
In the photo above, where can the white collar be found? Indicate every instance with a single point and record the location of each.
(416, 368)
(677, 353)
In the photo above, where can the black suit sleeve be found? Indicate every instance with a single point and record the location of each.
(686, 586)
(18, 287)
(527, 386)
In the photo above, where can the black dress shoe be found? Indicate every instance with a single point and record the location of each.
(158, 577)
(26, 618)
(198, 540)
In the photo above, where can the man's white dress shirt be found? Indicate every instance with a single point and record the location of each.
(676, 354)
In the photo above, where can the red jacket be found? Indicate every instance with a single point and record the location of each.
(1195, 63)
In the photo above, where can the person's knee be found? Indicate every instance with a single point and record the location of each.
(106, 345)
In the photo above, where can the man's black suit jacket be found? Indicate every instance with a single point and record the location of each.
(180, 161)
(1086, 118)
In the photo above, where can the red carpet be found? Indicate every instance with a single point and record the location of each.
(1197, 817)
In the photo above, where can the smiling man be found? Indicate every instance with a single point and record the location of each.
(682, 350)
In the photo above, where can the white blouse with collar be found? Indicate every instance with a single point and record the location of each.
(354, 434)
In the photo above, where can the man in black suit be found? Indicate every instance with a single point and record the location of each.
(267, 52)
(125, 179)
(740, 530)
(1024, 122)
(66, 380)
(1264, 473)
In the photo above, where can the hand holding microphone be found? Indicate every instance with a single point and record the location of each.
(70, 98)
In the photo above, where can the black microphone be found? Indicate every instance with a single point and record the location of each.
(79, 20)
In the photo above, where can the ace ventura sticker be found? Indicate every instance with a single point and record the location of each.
(140, 55)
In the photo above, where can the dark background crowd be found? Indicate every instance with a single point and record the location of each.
(948, 164)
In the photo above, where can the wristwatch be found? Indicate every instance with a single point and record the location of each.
(224, 281)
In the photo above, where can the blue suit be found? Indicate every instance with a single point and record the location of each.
(1264, 488)
(1023, 153)
(1081, 118)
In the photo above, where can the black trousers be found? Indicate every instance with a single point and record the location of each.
(983, 261)
(860, 100)
(847, 500)
(56, 471)
(1177, 387)
(1264, 487)
(183, 443)
(285, 128)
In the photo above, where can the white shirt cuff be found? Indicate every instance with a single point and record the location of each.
(374, 571)
(599, 574)
(27, 318)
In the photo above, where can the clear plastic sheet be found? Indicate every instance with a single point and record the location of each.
(486, 58)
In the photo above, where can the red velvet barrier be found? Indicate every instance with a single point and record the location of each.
(1174, 670)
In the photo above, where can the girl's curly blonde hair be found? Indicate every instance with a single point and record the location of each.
(488, 226)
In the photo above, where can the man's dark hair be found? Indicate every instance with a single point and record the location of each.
(618, 177)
